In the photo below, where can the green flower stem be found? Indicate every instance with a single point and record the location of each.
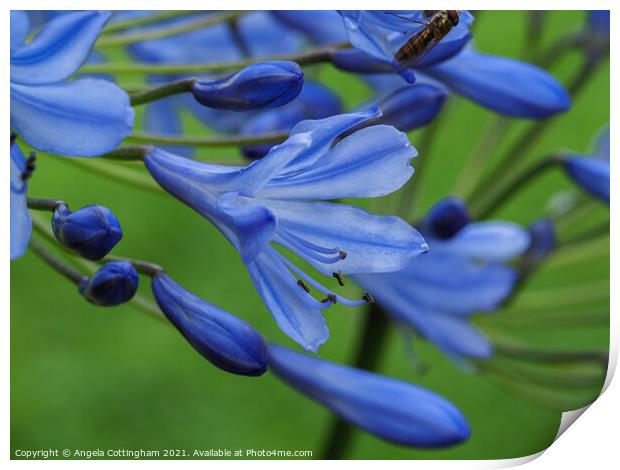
(591, 249)
(485, 207)
(54, 262)
(309, 57)
(41, 204)
(154, 18)
(144, 267)
(162, 91)
(555, 297)
(210, 141)
(114, 40)
(374, 334)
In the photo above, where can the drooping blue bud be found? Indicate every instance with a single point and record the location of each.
(92, 231)
(262, 85)
(223, 339)
(543, 241)
(446, 218)
(591, 173)
(391, 409)
(113, 284)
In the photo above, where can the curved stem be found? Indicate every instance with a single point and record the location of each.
(144, 267)
(42, 204)
(162, 91)
(110, 40)
(309, 57)
(374, 334)
(56, 263)
(210, 141)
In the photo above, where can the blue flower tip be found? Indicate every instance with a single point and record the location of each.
(113, 284)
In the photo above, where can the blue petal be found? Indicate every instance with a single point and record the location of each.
(504, 85)
(370, 162)
(225, 340)
(393, 410)
(592, 174)
(85, 117)
(59, 50)
(357, 61)
(488, 241)
(19, 28)
(322, 26)
(263, 36)
(164, 117)
(296, 312)
(372, 243)
(21, 222)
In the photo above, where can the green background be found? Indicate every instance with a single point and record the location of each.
(84, 377)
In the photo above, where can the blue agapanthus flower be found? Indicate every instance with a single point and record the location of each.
(223, 339)
(21, 221)
(463, 273)
(113, 284)
(504, 85)
(391, 409)
(84, 117)
(592, 173)
(272, 201)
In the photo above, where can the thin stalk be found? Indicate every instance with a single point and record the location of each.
(115, 40)
(162, 91)
(42, 204)
(56, 263)
(589, 250)
(309, 57)
(144, 267)
(146, 20)
(597, 231)
(564, 296)
(373, 336)
(487, 206)
(210, 141)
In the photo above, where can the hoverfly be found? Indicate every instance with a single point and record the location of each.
(438, 25)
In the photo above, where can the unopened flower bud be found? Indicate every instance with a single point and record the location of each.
(113, 284)
(92, 231)
(262, 85)
(446, 218)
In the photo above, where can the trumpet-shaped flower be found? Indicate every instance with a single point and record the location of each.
(223, 339)
(463, 273)
(391, 409)
(278, 200)
(592, 173)
(83, 117)
(21, 222)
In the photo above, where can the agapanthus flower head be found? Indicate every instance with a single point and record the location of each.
(223, 339)
(278, 200)
(393, 410)
(92, 231)
(262, 85)
(437, 293)
(592, 172)
(21, 222)
(83, 117)
(316, 101)
(113, 284)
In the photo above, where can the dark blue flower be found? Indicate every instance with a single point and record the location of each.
(21, 222)
(391, 409)
(113, 284)
(84, 117)
(504, 85)
(543, 240)
(223, 339)
(381, 34)
(92, 231)
(446, 218)
(437, 292)
(592, 173)
(315, 101)
(262, 85)
(273, 200)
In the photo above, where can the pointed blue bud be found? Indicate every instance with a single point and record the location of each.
(592, 174)
(446, 218)
(223, 339)
(262, 85)
(92, 231)
(113, 284)
(393, 410)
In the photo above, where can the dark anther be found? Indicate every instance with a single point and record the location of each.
(330, 298)
(368, 298)
(342, 254)
(339, 277)
(30, 166)
(13, 137)
(303, 285)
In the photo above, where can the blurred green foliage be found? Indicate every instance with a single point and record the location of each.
(84, 377)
